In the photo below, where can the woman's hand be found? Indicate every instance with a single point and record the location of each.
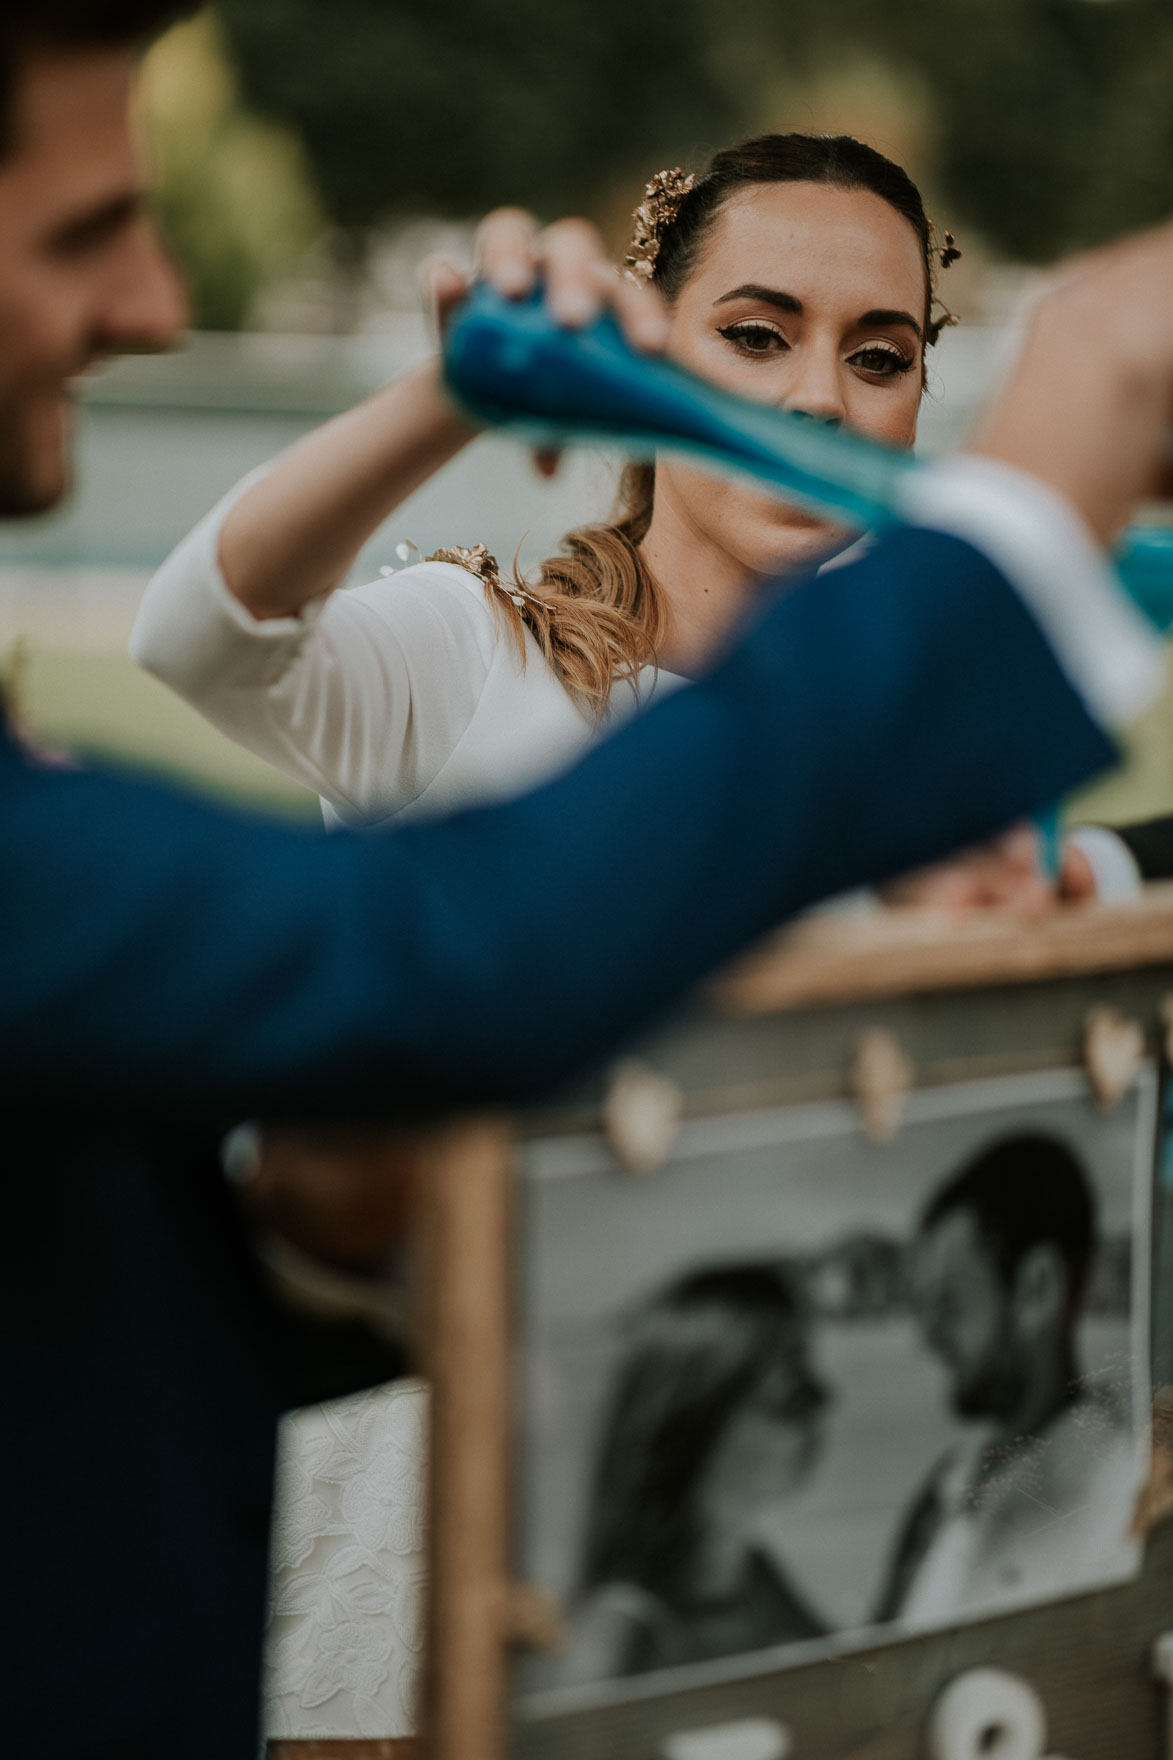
(296, 532)
(1005, 873)
(511, 253)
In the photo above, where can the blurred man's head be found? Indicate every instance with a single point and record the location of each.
(1000, 1270)
(81, 271)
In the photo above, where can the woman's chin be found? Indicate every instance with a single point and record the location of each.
(802, 540)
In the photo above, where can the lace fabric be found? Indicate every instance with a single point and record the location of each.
(345, 1639)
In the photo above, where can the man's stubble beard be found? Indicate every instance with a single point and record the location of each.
(996, 1391)
(25, 489)
(994, 1386)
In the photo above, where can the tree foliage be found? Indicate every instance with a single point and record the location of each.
(1052, 119)
(1055, 121)
(452, 106)
(232, 193)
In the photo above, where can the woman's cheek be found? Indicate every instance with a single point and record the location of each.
(888, 416)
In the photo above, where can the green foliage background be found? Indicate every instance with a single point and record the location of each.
(1040, 124)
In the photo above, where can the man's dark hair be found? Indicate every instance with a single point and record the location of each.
(1025, 1191)
(74, 24)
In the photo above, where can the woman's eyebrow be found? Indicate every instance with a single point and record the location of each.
(883, 316)
(769, 296)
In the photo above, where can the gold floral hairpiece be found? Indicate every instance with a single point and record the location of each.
(655, 214)
(946, 253)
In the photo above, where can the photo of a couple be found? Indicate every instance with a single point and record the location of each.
(854, 1388)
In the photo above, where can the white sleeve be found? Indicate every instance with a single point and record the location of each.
(1114, 867)
(1034, 537)
(362, 696)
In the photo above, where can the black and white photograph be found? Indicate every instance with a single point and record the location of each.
(799, 1390)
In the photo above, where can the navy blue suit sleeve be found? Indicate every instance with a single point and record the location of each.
(157, 952)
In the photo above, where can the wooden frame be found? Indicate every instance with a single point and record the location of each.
(846, 958)
(467, 1307)
(791, 1014)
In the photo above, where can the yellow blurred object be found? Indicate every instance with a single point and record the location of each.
(234, 195)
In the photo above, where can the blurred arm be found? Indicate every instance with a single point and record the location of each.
(158, 954)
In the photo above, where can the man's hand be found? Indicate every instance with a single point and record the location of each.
(343, 1195)
(1089, 409)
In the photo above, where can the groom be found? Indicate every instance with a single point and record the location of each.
(1036, 1499)
(166, 969)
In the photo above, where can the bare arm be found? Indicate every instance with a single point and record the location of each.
(297, 531)
(295, 534)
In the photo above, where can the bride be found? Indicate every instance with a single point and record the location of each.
(797, 269)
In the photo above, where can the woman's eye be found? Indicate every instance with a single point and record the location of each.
(881, 360)
(754, 338)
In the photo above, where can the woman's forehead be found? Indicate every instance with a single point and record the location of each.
(814, 241)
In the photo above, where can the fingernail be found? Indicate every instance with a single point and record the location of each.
(573, 305)
(512, 279)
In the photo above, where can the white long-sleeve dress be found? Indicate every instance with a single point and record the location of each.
(390, 699)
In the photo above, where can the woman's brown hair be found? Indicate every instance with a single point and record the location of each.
(596, 611)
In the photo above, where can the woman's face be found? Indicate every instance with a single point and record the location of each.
(812, 299)
(768, 1445)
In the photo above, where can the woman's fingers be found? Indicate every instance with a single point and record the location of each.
(505, 251)
(1005, 872)
(576, 268)
(580, 282)
(642, 313)
(1077, 877)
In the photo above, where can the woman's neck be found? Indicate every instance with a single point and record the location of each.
(705, 589)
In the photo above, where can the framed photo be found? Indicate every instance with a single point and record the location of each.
(755, 1451)
(798, 1391)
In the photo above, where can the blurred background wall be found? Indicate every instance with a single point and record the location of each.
(310, 155)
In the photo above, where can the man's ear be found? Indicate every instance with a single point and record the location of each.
(1040, 1290)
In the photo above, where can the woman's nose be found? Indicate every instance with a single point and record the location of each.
(813, 415)
(815, 391)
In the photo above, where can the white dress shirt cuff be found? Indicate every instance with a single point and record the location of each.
(1114, 867)
(1035, 538)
